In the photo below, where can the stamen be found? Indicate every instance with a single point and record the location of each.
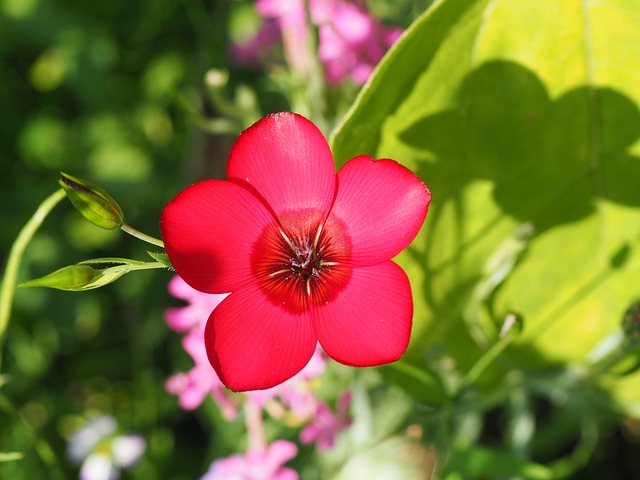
(315, 242)
(279, 272)
(327, 264)
(289, 242)
(309, 286)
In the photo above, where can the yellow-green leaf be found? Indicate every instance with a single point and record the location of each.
(516, 112)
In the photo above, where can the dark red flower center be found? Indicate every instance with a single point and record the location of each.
(301, 261)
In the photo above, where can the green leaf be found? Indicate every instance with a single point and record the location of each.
(10, 456)
(93, 202)
(515, 112)
(481, 462)
(162, 257)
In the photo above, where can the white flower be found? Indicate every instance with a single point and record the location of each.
(101, 452)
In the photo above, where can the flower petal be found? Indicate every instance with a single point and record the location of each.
(287, 160)
(383, 205)
(369, 322)
(254, 344)
(209, 230)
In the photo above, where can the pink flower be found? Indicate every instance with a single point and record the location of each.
(294, 392)
(304, 252)
(183, 319)
(351, 42)
(325, 426)
(251, 51)
(193, 386)
(258, 464)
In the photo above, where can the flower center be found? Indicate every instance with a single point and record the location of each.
(307, 259)
(301, 262)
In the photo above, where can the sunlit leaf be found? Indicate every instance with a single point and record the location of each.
(516, 112)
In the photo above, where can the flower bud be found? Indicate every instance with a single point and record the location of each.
(71, 278)
(93, 202)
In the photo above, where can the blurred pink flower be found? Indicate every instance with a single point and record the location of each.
(351, 41)
(198, 308)
(192, 387)
(325, 425)
(294, 392)
(259, 464)
(250, 52)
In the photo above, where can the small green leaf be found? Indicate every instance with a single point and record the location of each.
(162, 257)
(93, 202)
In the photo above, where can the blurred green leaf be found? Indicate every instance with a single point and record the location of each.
(50, 69)
(10, 456)
(423, 385)
(44, 142)
(512, 113)
(480, 462)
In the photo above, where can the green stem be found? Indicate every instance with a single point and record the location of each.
(581, 454)
(487, 359)
(8, 287)
(142, 236)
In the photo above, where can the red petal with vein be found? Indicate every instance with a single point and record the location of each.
(383, 205)
(369, 322)
(287, 160)
(254, 344)
(209, 229)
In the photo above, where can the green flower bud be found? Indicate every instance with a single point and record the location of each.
(81, 276)
(93, 202)
(71, 278)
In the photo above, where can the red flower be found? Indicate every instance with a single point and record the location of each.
(304, 252)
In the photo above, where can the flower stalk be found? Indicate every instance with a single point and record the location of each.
(7, 289)
(141, 236)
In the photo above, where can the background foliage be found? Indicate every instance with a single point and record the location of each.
(523, 117)
(102, 90)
